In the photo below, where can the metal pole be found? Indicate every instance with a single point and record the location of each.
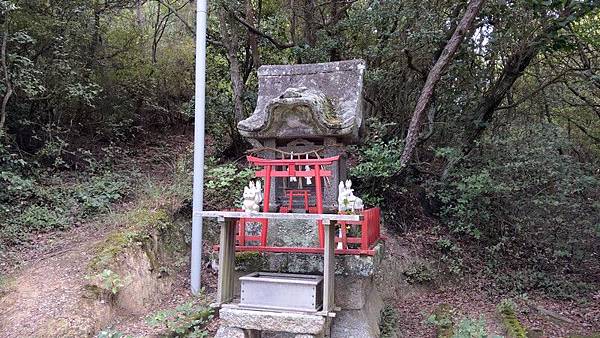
(198, 193)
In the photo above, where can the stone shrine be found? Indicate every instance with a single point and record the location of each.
(305, 117)
(310, 110)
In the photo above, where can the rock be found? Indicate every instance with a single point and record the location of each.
(293, 233)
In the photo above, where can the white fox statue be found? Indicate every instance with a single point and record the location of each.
(347, 202)
(252, 197)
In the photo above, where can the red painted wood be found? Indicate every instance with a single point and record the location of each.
(298, 173)
(287, 162)
(265, 224)
(283, 249)
(370, 234)
(319, 192)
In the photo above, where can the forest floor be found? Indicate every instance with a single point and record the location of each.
(47, 294)
(474, 297)
(47, 289)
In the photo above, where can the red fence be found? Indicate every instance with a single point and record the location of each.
(353, 238)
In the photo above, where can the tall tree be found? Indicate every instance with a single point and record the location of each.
(434, 76)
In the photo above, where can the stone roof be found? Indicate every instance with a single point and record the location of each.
(307, 101)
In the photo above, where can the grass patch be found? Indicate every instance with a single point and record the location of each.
(140, 224)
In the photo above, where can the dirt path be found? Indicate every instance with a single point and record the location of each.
(46, 297)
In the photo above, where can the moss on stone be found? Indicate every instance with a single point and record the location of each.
(141, 223)
(443, 321)
(249, 261)
(514, 328)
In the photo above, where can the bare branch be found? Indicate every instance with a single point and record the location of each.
(175, 11)
(278, 44)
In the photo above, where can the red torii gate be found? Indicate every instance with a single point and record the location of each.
(270, 170)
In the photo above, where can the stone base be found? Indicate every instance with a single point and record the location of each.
(355, 294)
(246, 321)
(359, 323)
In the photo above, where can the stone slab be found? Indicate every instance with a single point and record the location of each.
(230, 332)
(353, 293)
(293, 233)
(297, 323)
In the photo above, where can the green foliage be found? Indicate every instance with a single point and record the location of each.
(186, 320)
(112, 334)
(225, 184)
(471, 328)
(375, 174)
(442, 320)
(419, 273)
(522, 199)
(100, 192)
(388, 322)
(38, 218)
(111, 281)
(40, 204)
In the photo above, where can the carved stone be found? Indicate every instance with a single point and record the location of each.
(314, 100)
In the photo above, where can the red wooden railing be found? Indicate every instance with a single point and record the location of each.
(353, 238)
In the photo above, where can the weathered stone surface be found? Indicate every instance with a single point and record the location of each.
(312, 100)
(345, 265)
(272, 321)
(294, 233)
(363, 323)
(230, 332)
(353, 291)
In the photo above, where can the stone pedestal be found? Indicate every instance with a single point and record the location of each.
(355, 294)
(249, 323)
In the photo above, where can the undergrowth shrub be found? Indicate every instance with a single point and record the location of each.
(97, 194)
(471, 328)
(223, 182)
(374, 168)
(527, 203)
(388, 322)
(186, 320)
(419, 272)
(41, 199)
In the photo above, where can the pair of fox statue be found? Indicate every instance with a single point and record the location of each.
(347, 202)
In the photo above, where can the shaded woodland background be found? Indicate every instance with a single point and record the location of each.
(505, 178)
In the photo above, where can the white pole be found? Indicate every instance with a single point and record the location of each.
(198, 193)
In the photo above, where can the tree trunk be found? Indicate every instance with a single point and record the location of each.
(7, 82)
(252, 37)
(310, 35)
(434, 76)
(514, 68)
(230, 41)
(140, 20)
